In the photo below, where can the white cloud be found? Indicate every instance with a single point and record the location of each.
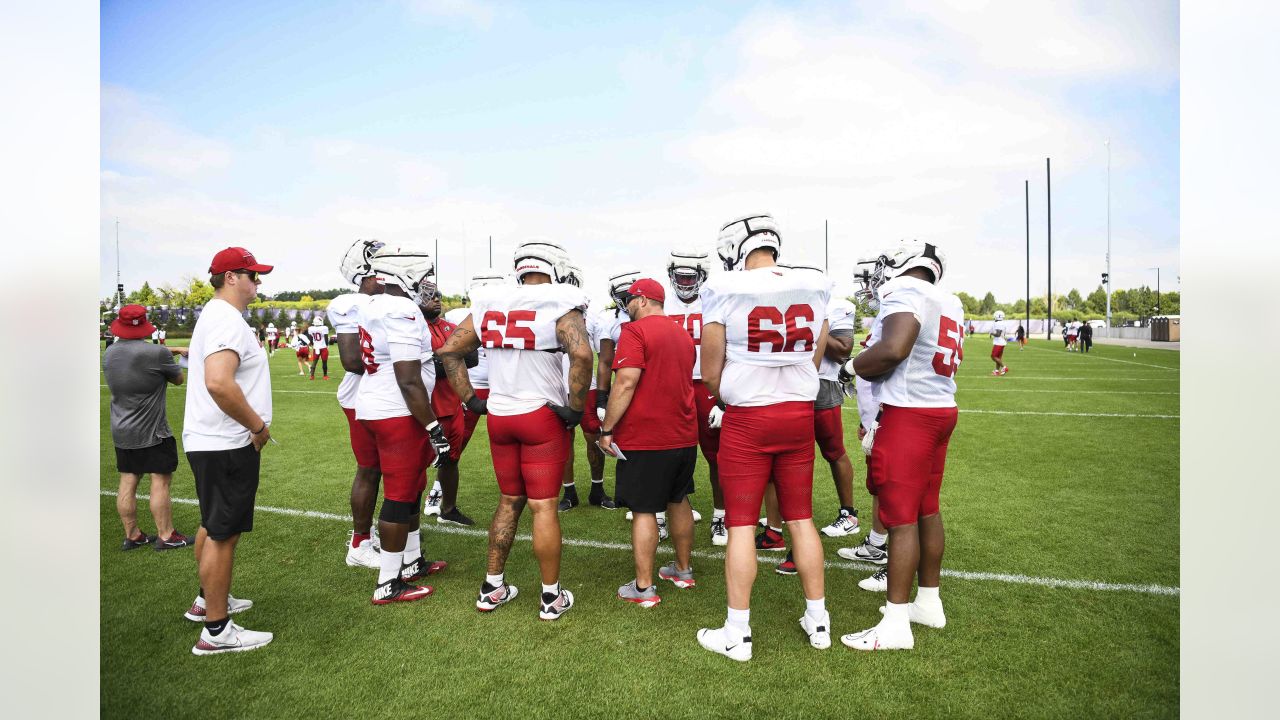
(136, 133)
(476, 12)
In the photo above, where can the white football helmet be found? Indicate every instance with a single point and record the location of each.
(543, 257)
(488, 276)
(407, 267)
(868, 292)
(687, 270)
(739, 237)
(355, 262)
(573, 275)
(619, 284)
(999, 316)
(271, 326)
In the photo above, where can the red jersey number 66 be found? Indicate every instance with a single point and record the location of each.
(758, 334)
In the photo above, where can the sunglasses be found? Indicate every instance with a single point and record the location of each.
(251, 274)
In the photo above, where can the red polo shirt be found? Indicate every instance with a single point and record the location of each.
(661, 413)
(444, 400)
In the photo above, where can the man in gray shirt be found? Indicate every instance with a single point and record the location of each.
(137, 374)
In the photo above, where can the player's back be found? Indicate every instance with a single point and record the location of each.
(772, 320)
(926, 378)
(385, 319)
(517, 328)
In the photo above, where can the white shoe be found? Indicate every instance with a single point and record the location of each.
(630, 516)
(232, 639)
(880, 638)
(662, 529)
(715, 640)
(926, 615)
(866, 552)
(844, 524)
(819, 632)
(363, 556)
(234, 605)
(719, 535)
(876, 583)
(697, 516)
(433, 503)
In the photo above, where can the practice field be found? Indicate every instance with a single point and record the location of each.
(1061, 581)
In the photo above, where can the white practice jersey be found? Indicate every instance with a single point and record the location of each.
(841, 315)
(272, 333)
(479, 374)
(517, 326)
(687, 315)
(611, 321)
(319, 335)
(391, 328)
(927, 377)
(344, 313)
(772, 319)
(868, 391)
(997, 336)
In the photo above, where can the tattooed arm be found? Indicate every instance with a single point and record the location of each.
(571, 331)
(453, 354)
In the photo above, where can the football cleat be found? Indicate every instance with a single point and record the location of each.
(770, 539)
(455, 517)
(569, 501)
(717, 640)
(175, 541)
(365, 555)
(491, 599)
(553, 606)
(819, 631)
(866, 552)
(143, 539)
(1004, 370)
(630, 516)
(233, 638)
(846, 523)
(433, 503)
(719, 535)
(880, 637)
(397, 590)
(697, 516)
(601, 499)
(876, 583)
(234, 605)
(682, 579)
(786, 567)
(925, 614)
(645, 599)
(421, 568)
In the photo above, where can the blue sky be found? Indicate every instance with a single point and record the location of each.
(622, 130)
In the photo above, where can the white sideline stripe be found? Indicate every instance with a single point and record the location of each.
(988, 377)
(332, 394)
(1071, 392)
(1099, 357)
(1059, 414)
(598, 545)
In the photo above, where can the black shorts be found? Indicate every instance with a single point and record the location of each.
(649, 480)
(227, 487)
(160, 458)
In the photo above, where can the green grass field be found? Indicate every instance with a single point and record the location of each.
(1061, 506)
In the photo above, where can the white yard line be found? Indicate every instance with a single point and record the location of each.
(849, 408)
(622, 547)
(965, 388)
(1076, 378)
(1099, 357)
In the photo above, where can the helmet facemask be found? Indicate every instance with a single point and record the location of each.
(686, 281)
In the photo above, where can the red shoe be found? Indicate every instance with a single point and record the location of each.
(397, 590)
(421, 568)
(770, 539)
(786, 567)
(1004, 370)
(326, 377)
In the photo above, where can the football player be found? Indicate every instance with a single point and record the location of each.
(590, 420)
(394, 405)
(763, 335)
(998, 341)
(344, 313)
(522, 328)
(301, 344)
(448, 410)
(319, 333)
(914, 359)
(479, 374)
(273, 338)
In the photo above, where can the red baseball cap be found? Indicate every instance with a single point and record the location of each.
(647, 288)
(132, 323)
(236, 258)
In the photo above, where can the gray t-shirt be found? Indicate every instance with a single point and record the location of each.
(137, 373)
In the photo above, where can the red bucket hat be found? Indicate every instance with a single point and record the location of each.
(236, 258)
(132, 323)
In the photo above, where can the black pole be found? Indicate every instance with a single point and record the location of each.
(1026, 204)
(826, 244)
(490, 251)
(1157, 291)
(437, 259)
(1048, 226)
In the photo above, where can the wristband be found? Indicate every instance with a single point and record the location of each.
(606, 432)
(434, 424)
(259, 430)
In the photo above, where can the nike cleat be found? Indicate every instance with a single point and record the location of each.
(142, 539)
(197, 612)
(719, 535)
(492, 597)
(866, 552)
(876, 583)
(880, 637)
(421, 568)
(233, 638)
(553, 606)
(433, 503)
(175, 541)
(770, 539)
(846, 523)
(455, 517)
(396, 590)
(717, 640)
(819, 631)
(786, 567)
(682, 579)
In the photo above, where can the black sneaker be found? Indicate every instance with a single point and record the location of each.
(421, 568)
(553, 606)
(569, 501)
(770, 539)
(143, 539)
(455, 517)
(396, 590)
(600, 499)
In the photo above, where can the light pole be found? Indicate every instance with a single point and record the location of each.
(1157, 288)
(1108, 237)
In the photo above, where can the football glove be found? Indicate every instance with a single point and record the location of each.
(477, 405)
(440, 444)
(602, 402)
(715, 417)
(567, 415)
(869, 438)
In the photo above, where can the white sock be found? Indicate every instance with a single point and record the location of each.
(739, 621)
(717, 514)
(896, 616)
(495, 580)
(554, 588)
(568, 484)
(662, 516)
(776, 529)
(435, 487)
(876, 538)
(597, 481)
(928, 595)
(389, 566)
(413, 546)
(815, 609)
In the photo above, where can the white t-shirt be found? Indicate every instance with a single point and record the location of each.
(205, 426)
(687, 315)
(772, 319)
(344, 313)
(926, 377)
(391, 329)
(841, 315)
(479, 374)
(272, 333)
(163, 333)
(517, 327)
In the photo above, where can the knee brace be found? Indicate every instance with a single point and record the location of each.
(396, 511)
